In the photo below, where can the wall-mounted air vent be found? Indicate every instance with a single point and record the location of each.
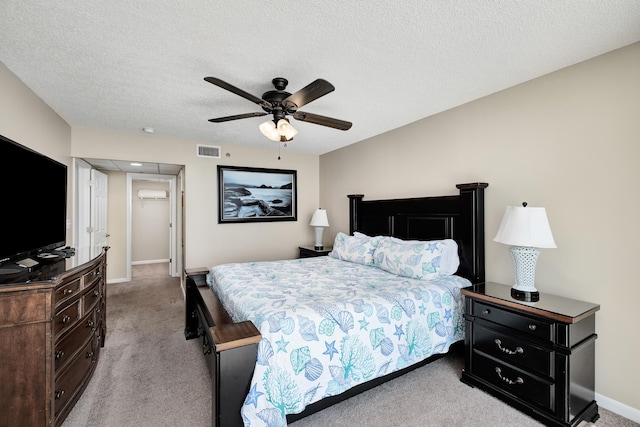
(210, 151)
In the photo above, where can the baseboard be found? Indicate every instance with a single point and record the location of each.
(110, 281)
(150, 261)
(618, 407)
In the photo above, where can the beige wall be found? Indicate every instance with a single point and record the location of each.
(568, 141)
(207, 242)
(27, 120)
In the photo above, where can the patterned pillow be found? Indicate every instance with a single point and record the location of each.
(358, 248)
(417, 259)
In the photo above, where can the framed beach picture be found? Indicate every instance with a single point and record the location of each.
(256, 194)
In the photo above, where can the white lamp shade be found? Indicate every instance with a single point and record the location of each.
(525, 226)
(282, 132)
(319, 218)
(285, 129)
(269, 130)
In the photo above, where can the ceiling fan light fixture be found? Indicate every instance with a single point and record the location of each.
(282, 132)
(269, 130)
(286, 130)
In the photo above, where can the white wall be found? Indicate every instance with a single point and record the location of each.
(568, 141)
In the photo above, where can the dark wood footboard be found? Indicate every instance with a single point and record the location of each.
(229, 348)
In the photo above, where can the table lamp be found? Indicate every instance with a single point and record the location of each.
(526, 229)
(319, 221)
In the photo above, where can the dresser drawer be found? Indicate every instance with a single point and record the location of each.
(92, 275)
(67, 290)
(525, 354)
(92, 296)
(515, 381)
(528, 325)
(66, 318)
(66, 347)
(66, 385)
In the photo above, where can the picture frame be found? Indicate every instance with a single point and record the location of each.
(247, 194)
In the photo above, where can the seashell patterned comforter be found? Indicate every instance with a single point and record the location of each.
(328, 325)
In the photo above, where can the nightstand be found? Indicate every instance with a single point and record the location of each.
(538, 357)
(309, 251)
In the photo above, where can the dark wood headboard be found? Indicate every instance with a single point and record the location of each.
(459, 217)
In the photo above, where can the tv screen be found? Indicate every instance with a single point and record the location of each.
(34, 202)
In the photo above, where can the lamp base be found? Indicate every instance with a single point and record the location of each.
(318, 246)
(525, 295)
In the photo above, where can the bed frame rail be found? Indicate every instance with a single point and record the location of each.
(228, 347)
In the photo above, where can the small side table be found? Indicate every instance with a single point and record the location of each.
(539, 357)
(309, 251)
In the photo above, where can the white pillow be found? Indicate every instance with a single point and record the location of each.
(417, 259)
(358, 248)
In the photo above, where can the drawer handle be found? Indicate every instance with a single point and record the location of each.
(96, 293)
(67, 291)
(532, 327)
(65, 319)
(486, 311)
(59, 354)
(59, 394)
(518, 380)
(89, 354)
(506, 350)
(90, 324)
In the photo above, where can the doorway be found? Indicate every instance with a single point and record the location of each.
(151, 219)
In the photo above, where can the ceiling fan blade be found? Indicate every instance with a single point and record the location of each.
(224, 85)
(322, 120)
(308, 93)
(237, 116)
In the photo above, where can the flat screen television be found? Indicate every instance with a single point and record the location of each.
(33, 203)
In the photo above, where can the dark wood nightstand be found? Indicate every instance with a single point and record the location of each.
(309, 251)
(539, 357)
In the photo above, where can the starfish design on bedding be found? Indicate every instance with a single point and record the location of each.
(399, 332)
(282, 344)
(331, 349)
(252, 397)
(363, 324)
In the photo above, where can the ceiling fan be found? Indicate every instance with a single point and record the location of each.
(281, 104)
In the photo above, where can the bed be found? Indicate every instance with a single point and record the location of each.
(329, 362)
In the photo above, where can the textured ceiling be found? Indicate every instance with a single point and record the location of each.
(125, 65)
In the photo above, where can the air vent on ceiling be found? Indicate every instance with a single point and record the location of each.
(208, 151)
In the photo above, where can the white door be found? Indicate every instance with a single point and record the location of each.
(83, 212)
(98, 226)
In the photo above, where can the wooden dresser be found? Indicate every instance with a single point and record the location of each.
(52, 326)
(537, 356)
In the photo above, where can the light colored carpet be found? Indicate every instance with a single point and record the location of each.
(149, 375)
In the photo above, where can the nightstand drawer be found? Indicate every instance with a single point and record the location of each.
(525, 324)
(533, 390)
(522, 353)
